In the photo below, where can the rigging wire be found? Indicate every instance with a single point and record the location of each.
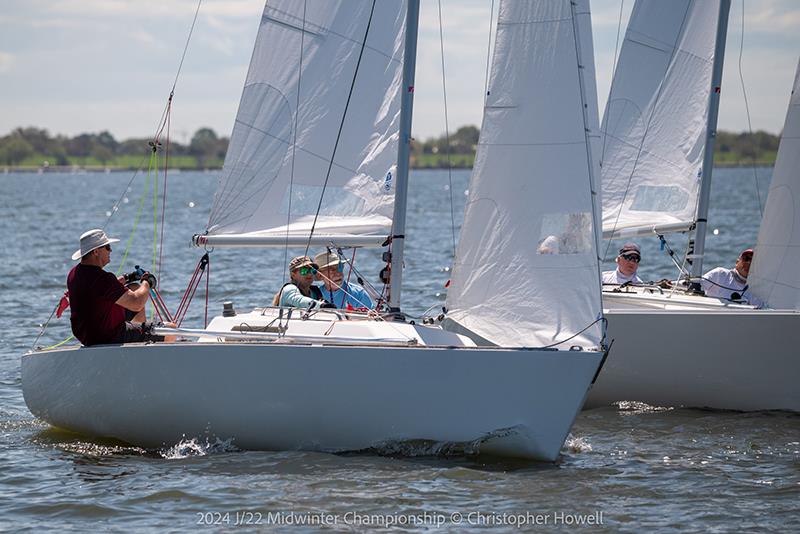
(602, 320)
(749, 123)
(294, 141)
(613, 74)
(163, 122)
(488, 55)
(158, 245)
(163, 202)
(341, 127)
(447, 133)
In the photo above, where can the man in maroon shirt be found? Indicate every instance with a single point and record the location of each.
(99, 301)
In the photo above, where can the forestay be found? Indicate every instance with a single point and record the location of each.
(526, 269)
(775, 277)
(654, 126)
(300, 126)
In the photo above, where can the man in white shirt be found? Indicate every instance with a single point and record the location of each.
(627, 264)
(731, 284)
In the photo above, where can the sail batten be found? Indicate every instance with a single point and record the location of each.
(309, 60)
(654, 125)
(526, 270)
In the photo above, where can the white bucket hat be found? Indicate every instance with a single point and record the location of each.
(327, 259)
(91, 240)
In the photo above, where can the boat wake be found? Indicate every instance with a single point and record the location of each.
(575, 444)
(636, 407)
(187, 448)
(413, 448)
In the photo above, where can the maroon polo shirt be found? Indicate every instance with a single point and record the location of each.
(93, 293)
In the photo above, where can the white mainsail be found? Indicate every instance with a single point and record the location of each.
(319, 112)
(526, 268)
(775, 276)
(654, 126)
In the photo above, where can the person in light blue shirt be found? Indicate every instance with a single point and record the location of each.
(335, 289)
(300, 293)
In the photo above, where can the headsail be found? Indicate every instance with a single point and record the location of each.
(654, 125)
(526, 268)
(319, 112)
(774, 276)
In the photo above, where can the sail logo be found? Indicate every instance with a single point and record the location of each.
(387, 182)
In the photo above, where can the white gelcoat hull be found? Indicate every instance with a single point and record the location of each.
(699, 352)
(272, 396)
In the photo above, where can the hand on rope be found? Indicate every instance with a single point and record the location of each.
(150, 279)
(138, 275)
(132, 277)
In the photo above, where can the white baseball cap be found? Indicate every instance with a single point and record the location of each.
(91, 240)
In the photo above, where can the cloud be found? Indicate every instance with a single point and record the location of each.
(6, 62)
(113, 51)
(149, 8)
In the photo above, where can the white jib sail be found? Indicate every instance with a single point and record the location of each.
(654, 125)
(775, 276)
(526, 269)
(319, 112)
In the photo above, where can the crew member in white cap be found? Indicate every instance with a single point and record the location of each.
(98, 300)
(627, 264)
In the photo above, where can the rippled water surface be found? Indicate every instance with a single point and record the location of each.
(629, 468)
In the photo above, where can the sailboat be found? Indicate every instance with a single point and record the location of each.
(319, 156)
(679, 348)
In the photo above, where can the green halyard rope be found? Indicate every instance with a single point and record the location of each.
(155, 210)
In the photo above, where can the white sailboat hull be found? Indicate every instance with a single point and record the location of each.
(273, 396)
(699, 352)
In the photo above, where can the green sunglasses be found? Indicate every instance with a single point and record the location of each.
(305, 271)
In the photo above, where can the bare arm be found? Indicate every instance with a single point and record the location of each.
(134, 300)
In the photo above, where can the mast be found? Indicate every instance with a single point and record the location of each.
(711, 133)
(403, 153)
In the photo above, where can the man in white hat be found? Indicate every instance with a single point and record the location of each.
(98, 300)
(342, 294)
(627, 264)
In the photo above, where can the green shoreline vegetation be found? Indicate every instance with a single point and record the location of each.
(34, 149)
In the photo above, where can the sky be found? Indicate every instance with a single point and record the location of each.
(82, 66)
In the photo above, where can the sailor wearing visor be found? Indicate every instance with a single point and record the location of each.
(300, 291)
(627, 264)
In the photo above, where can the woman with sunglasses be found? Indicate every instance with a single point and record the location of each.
(627, 264)
(299, 292)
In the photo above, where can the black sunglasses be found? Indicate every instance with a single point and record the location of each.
(631, 257)
(108, 248)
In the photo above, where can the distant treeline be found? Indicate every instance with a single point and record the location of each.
(730, 149)
(35, 148)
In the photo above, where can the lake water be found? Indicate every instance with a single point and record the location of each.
(628, 468)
